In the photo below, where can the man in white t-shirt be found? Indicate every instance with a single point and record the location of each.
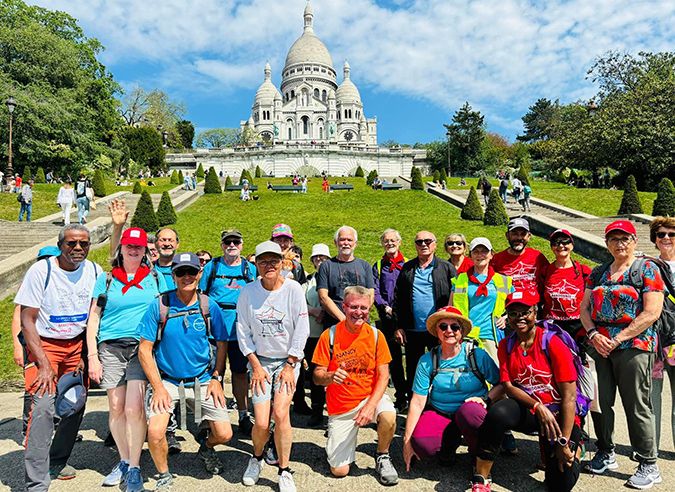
(55, 298)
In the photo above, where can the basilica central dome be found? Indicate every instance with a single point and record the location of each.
(308, 48)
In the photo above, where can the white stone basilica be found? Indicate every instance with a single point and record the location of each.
(310, 108)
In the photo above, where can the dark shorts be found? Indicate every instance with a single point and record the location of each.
(238, 363)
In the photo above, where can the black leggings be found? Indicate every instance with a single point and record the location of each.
(507, 415)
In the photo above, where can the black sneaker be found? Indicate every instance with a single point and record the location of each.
(109, 441)
(174, 445)
(245, 425)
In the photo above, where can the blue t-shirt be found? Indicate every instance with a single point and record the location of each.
(454, 382)
(481, 308)
(123, 312)
(165, 272)
(423, 297)
(226, 290)
(184, 351)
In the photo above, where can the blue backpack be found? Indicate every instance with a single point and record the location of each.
(585, 383)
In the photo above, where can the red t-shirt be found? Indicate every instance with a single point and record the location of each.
(526, 270)
(563, 291)
(533, 370)
(466, 264)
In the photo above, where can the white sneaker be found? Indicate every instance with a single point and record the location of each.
(252, 473)
(286, 483)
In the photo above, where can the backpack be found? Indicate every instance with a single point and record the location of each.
(470, 350)
(585, 382)
(245, 276)
(81, 188)
(165, 316)
(331, 339)
(665, 325)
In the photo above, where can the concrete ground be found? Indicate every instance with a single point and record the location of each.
(93, 461)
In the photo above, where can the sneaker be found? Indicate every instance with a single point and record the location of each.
(252, 473)
(245, 425)
(164, 482)
(212, 464)
(117, 474)
(66, 472)
(286, 483)
(133, 480)
(646, 475)
(601, 462)
(109, 441)
(270, 452)
(480, 484)
(174, 445)
(385, 469)
(509, 445)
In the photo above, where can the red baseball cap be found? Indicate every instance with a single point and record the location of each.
(134, 236)
(561, 232)
(523, 297)
(621, 225)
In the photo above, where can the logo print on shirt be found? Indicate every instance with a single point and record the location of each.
(563, 291)
(537, 381)
(522, 274)
(271, 321)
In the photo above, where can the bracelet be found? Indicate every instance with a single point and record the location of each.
(591, 334)
(534, 408)
(95, 354)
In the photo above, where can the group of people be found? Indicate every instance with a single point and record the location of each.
(492, 342)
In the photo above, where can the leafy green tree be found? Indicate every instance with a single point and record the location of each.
(228, 181)
(40, 175)
(495, 213)
(359, 172)
(212, 184)
(218, 137)
(138, 189)
(200, 172)
(166, 215)
(538, 121)
(174, 177)
(630, 202)
(98, 183)
(371, 177)
(436, 177)
(27, 174)
(181, 177)
(258, 172)
(144, 216)
(523, 175)
(442, 176)
(145, 146)
(186, 134)
(664, 205)
(472, 209)
(437, 154)
(465, 135)
(416, 182)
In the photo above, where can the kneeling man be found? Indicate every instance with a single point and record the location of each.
(352, 361)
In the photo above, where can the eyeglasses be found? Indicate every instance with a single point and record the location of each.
(453, 327)
(264, 263)
(182, 272)
(83, 244)
(454, 243)
(227, 242)
(620, 240)
(518, 314)
(203, 260)
(662, 235)
(427, 242)
(561, 242)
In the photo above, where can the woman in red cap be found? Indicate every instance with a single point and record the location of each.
(623, 299)
(450, 392)
(119, 301)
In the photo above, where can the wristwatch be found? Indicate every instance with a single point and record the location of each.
(562, 441)
(217, 377)
(292, 364)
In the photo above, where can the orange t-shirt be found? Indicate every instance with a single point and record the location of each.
(357, 354)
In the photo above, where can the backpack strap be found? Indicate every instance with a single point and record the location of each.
(598, 272)
(435, 363)
(470, 348)
(331, 339)
(205, 312)
(49, 272)
(163, 316)
(212, 274)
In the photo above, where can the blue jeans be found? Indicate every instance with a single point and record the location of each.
(26, 208)
(82, 208)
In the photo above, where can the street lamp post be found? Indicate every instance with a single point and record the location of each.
(447, 134)
(165, 138)
(11, 105)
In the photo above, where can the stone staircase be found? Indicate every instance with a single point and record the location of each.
(18, 236)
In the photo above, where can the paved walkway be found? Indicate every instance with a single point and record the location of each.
(93, 461)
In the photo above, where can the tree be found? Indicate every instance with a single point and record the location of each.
(218, 137)
(40, 175)
(630, 202)
(495, 213)
(523, 175)
(186, 133)
(228, 181)
(442, 176)
(465, 134)
(144, 216)
(181, 177)
(138, 189)
(437, 154)
(472, 209)
(359, 172)
(98, 183)
(436, 177)
(145, 146)
(371, 177)
(493, 152)
(664, 205)
(27, 174)
(156, 110)
(416, 182)
(212, 185)
(174, 177)
(258, 172)
(166, 214)
(538, 121)
(200, 171)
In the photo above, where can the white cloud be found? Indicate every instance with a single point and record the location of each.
(500, 55)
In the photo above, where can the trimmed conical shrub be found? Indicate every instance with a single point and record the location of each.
(523, 175)
(371, 177)
(664, 205)
(181, 178)
(166, 214)
(98, 183)
(138, 189)
(212, 185)
(416, 182)
(472, 209)
(228, 181)
(174, 177)
(495, 213)
(40, 176)
(359, 172)
(144, 216)
(630, 202)
(243, 176)
(436, 177)
(258, 172)
(442, 176)
(200, 172)
(27, 174)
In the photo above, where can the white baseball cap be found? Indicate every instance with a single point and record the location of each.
(480, 241)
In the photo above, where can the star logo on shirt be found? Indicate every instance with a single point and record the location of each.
(272, 322)
(537, 381)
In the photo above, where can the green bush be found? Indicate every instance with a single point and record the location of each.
(98, 183)
(27, 174)
(212, 185)
(472, 209)
(371, 177)
(245, 174)
(442, 176)
(166, 214)
(181, 178)
(228, 181)
(495, 213)
(630, 202)
(664, 205)
(359, 172)
(138, 189)
(416, 182)
(200, 172)
(436, 177)
(394, 180)
(40, 176)
(523, 175)
(258, 172)
(174, 177)
(144, 216)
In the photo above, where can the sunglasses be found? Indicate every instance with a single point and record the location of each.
(83, 244)
(561, 242)
(662, 235)
(182, 272)
(518, 314)
(454, 243)
(203, 260)
(453, 327)
(227, 242)
(427, 242)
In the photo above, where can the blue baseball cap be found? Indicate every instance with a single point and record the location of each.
(71, 394)
(185, 260)
(48, 251)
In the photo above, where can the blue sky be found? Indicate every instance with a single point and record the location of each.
(415, 62)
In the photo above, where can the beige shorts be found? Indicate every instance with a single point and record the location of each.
(209, 410)
(343, 432)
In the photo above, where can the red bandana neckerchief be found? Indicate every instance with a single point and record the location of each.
(395, 263)
(120, 274)
(482, 286)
